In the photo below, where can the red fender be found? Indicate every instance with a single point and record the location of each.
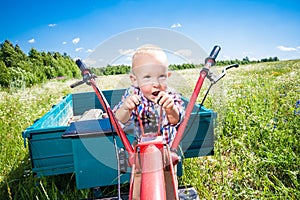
(153, 180)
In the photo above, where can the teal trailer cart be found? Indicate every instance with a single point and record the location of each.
(58, 144)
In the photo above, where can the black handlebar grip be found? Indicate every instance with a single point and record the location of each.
(231, 66)
(76, 84)
(214, 53)
(81, 65)
(211, 59)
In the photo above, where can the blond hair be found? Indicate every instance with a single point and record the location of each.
(150, 50)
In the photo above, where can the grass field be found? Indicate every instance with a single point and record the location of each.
(257, 149)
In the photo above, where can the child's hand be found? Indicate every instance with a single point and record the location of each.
(165, 100)
(131, 102)
(124, 112)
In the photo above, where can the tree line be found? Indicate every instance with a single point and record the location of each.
(125, 69)
(18, 69)
(246, 61)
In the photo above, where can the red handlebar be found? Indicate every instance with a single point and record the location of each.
(209, 61)
(89, 78)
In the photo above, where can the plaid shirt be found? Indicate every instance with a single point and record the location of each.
(150, 112)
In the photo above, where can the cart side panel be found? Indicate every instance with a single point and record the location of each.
(94, 154)
(198, 138)
(96, 167)
(57, 116)
(88, 100)
(49, 153)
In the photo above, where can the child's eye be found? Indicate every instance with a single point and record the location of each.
(162, 77)
(145, 78)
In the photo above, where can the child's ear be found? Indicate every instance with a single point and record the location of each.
(133, 80)
(169, 74)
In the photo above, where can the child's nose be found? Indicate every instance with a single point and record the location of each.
(156, 82)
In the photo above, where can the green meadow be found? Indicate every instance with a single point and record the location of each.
(257, 149)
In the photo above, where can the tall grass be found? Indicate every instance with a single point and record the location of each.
(257, 137)
(257, 151)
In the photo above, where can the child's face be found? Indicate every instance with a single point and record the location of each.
(151, 77)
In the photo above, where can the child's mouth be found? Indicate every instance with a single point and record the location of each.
(155, 93)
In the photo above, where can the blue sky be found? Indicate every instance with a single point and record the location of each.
(253, 28)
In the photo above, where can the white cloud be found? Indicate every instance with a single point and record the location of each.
(126, 51)
(52, 25)
(89, 50)
(283, 48)
(89, 61)
(75, 40)
(31, 41)
(246, 53)
(129, 58)
(184, 52)
(176, 25)
(122, 60)
(64, 42)
(79, 49)
(76, 58)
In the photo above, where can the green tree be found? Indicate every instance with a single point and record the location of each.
(21, 55)
(9, 55)
(35, 56)
(4, 75)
